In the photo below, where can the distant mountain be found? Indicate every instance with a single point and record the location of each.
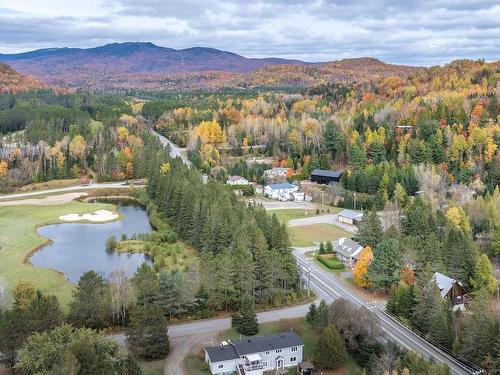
(119, 66)
(11, 82)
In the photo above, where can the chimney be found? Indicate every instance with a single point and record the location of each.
(341, 240)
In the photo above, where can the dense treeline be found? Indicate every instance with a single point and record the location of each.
(243, 250)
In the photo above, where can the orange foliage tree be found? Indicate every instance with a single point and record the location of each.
(361, 267)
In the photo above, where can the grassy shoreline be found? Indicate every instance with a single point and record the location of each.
(19, 239)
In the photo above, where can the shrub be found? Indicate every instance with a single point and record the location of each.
(111, 243)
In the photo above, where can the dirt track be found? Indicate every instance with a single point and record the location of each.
(181, 347)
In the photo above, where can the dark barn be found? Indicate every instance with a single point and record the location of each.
(322, 176)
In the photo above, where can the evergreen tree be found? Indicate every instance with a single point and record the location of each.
(147, 334)
(385, 266)
(248, 325)
(321, 248)
(312, 314)
(484, 278)
(330, 351)
(146, 285)
(329, 247)
(90, 306)
(370, 229)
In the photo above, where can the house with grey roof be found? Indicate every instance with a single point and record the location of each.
(237, 180)
(451, 289)
(255, 355)
(347, 250)
(349, 217)
(282, 191)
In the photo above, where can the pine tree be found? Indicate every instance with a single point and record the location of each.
(370, 229)
(248, 325)
(321, 248)
(330, 351)
(484, 279)
(312, 314)
(385, 266)
(329, 247)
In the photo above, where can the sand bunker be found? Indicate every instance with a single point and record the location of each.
(99, 215)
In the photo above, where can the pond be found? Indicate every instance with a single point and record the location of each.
(78, 247)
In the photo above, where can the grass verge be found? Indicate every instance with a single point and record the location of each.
(152, 367)
(307, 235)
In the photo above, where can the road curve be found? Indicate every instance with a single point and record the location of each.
(327, 284)
(175, 152)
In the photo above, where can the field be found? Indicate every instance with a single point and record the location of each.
(307, 235)
(296, 213)
(309, 335)
(18, 237)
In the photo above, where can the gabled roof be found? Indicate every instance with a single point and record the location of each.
(284, 185)
(236, 178)
(347, 247)
(351, 214)
(263, 343)
(325, 173)
(253, 345)
(444, 283)
(222, 353)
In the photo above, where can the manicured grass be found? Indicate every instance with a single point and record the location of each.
(332, 263)
(52, 184)
(195, 365)
(295, 213)
(18, 237)
(308, 333)
(152, 367)
(306, 235)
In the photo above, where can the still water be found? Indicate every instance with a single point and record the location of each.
(78, 247)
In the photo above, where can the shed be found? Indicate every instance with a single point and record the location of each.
(325, 177)
(305, 368)
(349, 217)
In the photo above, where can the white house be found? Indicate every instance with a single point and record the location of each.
(280, 191)
(237, 180)
(277, 173)
(349, 217)
(254, 355)
(347, 250)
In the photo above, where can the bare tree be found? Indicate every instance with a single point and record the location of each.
(119, 286)
(4, 295)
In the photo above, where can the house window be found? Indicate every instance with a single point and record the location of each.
(294, 349)
(221, 366)
(267, 352)
(293, 359)
(265, 364)
(278, 350)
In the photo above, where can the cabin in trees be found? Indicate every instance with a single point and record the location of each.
(321, 176)
(255, 355)
(347, 250)
(451, 289)
(349, 217)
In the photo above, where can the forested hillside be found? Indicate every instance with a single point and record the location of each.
(12, 82)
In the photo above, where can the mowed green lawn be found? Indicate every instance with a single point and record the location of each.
(18, 237)
(295, 213)
(306, 235)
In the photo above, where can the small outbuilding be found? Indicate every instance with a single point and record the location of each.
(305, 368)
(321, 176)
(349, 217)
(237, 180)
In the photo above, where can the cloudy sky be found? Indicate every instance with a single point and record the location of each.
(417, 32)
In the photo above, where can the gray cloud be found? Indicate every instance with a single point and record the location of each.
(409, 32)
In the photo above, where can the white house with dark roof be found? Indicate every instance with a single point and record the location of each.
(254, 355)
(347, 250)
(282, 191)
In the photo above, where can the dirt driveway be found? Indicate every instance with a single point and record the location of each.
(181, 347)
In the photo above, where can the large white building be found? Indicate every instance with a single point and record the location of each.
(237, 180)
(283, 191)
(254, 355)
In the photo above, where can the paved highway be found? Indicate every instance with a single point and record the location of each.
(329, 286)
(175, 152)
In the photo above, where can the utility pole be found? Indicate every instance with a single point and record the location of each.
(354, 201)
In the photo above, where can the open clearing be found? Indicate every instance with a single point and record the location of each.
(18, 238)
(307, 235)
(295, 213)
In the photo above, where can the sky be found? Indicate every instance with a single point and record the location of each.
(418, 32)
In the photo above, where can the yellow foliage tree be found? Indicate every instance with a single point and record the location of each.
(361, 267)
(165, 168)
(77, 147)
(129, 170)
(3, 168)
(458, 217)
(210, 155)
(210, 132)
(122, 133)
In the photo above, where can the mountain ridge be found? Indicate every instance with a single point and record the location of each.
(144, 65)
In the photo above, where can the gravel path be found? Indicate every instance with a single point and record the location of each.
(47, 201)
(181, 347)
